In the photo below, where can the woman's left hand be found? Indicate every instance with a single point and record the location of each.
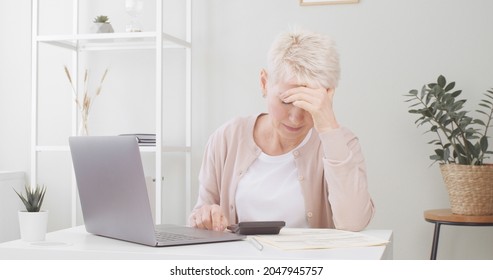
(317, 101)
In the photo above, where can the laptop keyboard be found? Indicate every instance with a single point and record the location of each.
(168, 236)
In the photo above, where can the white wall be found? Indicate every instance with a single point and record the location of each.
(15, 86)
(387, 47)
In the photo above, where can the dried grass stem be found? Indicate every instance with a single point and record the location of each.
(84, 106)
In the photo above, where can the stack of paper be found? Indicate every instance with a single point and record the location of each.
(302, 239)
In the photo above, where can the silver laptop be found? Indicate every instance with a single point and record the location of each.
(113, 195)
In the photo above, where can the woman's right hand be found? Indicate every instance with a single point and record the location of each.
(209, 217)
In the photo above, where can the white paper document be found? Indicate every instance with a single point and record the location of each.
(308, 238)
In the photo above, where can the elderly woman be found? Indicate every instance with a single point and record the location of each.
(295, 163)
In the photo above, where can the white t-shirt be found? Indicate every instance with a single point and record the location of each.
(270, 191)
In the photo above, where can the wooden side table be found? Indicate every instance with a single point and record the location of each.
(445, 217)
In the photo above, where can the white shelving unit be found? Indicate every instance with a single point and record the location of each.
(80, 43)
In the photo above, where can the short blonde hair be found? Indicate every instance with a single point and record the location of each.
(306, 56)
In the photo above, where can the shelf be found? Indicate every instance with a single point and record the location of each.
(85, 45)
(52, 148)
(113, 41)
(164, 149)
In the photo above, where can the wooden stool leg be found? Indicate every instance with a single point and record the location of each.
(434, 246)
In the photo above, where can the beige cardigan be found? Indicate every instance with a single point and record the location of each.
(331, 168)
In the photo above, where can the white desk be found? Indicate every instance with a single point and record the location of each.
(76, 243)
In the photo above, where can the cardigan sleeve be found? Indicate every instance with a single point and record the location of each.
(345, 174)
(209, 187)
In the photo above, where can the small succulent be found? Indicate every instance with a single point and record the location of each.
(101, 19)
(33, 198)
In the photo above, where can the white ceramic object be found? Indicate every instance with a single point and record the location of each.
(33, 225)
(103, 27)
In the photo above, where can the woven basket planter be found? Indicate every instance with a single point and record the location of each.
(470, 188)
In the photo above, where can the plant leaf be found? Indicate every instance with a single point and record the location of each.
(441, 81)
(450, 86)
(484, 143)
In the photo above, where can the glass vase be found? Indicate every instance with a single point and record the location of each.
(83, 125)
(134, 9)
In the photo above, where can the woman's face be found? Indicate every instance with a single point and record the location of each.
(289, 121)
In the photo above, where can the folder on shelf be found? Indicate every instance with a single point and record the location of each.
(144, 139)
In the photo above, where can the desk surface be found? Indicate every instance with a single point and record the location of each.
(76, 243)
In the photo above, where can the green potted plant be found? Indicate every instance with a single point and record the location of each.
(102, 24)
(460, 141)
(33, 221)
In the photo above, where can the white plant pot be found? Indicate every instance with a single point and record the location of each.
(100, 27)
(33, 225)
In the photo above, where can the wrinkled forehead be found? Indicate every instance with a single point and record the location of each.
(293, 82)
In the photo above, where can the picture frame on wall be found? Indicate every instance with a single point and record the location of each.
(326, 2)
